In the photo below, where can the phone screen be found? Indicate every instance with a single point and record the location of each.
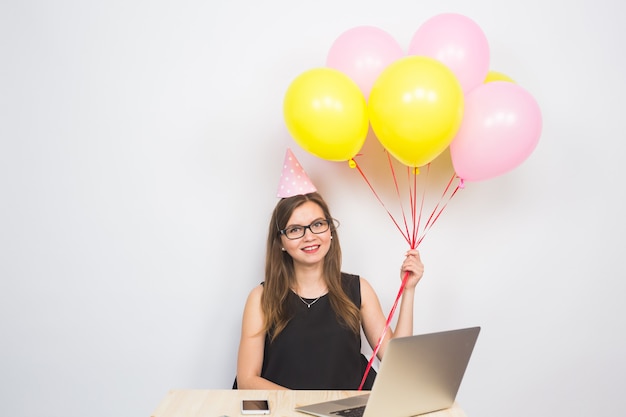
(255, 407)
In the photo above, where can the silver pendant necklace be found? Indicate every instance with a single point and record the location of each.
(308, 305)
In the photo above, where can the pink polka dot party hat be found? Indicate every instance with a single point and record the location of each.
(293, 179)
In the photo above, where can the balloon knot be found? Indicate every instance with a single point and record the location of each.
(352, 163)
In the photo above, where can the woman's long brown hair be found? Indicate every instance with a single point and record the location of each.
(280, 275)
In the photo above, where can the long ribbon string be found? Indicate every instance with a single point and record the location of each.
(411, 238)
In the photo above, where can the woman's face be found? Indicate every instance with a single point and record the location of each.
(311, 248)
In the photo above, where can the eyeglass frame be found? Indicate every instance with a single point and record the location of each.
(331, 222)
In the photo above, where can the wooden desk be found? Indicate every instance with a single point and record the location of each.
(218, 403)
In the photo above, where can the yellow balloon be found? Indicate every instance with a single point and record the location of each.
(326, 113)
(497, 76)
(415, 108)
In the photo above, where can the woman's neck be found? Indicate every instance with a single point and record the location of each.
(309, 282)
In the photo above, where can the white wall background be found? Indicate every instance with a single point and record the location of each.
(140, 150)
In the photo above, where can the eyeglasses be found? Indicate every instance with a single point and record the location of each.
(296, 232)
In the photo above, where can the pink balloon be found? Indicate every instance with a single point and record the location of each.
(458, 42)
(363, 53)
(500, 129)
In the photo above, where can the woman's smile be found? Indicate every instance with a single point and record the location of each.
(311, 249)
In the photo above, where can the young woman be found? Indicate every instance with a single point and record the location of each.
(302, 326)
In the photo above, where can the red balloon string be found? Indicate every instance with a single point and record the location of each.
(410, 237)
(418, 221)
(435, 214)
(407, 235)
(381, 201)
(382, 336)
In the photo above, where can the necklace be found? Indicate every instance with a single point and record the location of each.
(308, 305)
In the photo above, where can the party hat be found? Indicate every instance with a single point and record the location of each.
(293, 180)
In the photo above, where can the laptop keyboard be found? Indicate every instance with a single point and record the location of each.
(350, 412)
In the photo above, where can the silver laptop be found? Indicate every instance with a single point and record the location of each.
(419, 374)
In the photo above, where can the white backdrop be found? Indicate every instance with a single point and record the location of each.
(140, 151)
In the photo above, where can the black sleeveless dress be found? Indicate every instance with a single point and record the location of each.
(315, 351)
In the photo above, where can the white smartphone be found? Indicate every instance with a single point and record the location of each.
(249, 407)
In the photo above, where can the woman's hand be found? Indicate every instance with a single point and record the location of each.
(414, 266)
